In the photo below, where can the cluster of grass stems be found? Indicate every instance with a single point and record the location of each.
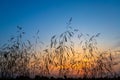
(60, 58)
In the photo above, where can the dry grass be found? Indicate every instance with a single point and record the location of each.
(60, 58)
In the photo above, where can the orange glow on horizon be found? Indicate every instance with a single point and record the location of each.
(79, 64)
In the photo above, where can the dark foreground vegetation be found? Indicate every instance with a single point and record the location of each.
(20, 58)
(52, 78)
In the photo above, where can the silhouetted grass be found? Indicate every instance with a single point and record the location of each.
(60, 59)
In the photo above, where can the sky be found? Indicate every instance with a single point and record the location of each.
(50, 17)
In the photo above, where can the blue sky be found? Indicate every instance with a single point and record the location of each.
(50, 17)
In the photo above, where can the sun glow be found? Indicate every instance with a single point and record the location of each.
(80, 64)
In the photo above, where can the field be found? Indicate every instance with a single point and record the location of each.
(69, 55)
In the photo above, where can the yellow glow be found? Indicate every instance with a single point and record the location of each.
(72, 65)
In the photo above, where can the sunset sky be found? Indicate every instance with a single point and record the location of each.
(51, 16)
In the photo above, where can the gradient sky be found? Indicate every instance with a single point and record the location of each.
(51, 16)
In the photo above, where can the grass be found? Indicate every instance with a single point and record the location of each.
(59, 59)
